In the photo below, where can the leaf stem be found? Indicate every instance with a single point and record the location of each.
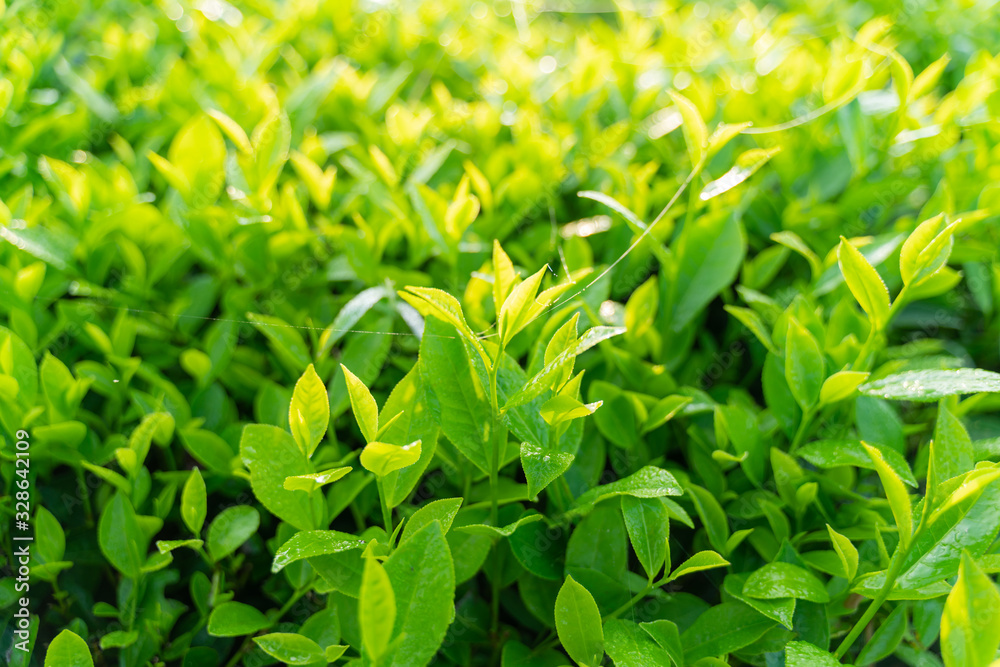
(497, 431)
(386, 512)
(880, 598)
(897, 304)
(861, 363)
(638, 596)
(802, 430)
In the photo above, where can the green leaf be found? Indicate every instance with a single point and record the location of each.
(561, 408)
(119, 639)
(230, 529)
(804, 654)
(895, 491)
(198, 151)
(309, 411)
(930, 385)
(272, 456)
(648, 525)
(578, 624)
(666, 634)
(194, 506)
(335, 652)
(864, 282)
(464, 412)
(68, 650)
(285, 340)
(712, 516)
(121, 540)
(971, 615)
(805, 368)
(723, 629)
(382, 458)
(376, 609)
(166, 546)
(926, 249)
(313, 481)
(747, 164)
(290, 648)
(363, 404)
(158, 426)
(515, 314)
(781, 610)
(208, 449)
(952, 453)
(648, 300)
(542, 466)
(836, 453)
(50, 539)
(415, 421)
(349, 316)
(709, 255)
(886, 638)
(442, 511)
(967, 522)
(498, 531)
(703, 560)
(664, 410)
(423, 577)
(629, 646)
(840, 386)
(794, 242)
(235, 619)
(695, 132)
(647, 482)
(846, 551)
(232, 130)
(504, 276)
(440, 304)
(543, 379)
(784, 580)
(310, 543)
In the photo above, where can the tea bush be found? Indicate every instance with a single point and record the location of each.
(521, 334)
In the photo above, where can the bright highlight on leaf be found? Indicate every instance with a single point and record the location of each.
(382, 458)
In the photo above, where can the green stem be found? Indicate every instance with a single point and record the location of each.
(245, 646)
(497, 432)
(880, 598)
(631, 603)
(691, 204)
(386, 512)
(800, 433)
(85, 492)
(290, 603)
(897, 305)
(499, 441)
(861, 363)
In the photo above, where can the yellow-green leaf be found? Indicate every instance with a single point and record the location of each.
(382, 458)
(895, 491)
(363, 404)
(971, 618)
(311, 482)
(376, 609)
(864, 282)
(695, 132)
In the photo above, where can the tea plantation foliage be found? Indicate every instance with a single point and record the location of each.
(499, 333)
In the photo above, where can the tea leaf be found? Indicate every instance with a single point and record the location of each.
(578, 624)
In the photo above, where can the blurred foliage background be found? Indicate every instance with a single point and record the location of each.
(173, 174)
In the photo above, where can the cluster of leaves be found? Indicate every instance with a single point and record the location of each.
(469, 334)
